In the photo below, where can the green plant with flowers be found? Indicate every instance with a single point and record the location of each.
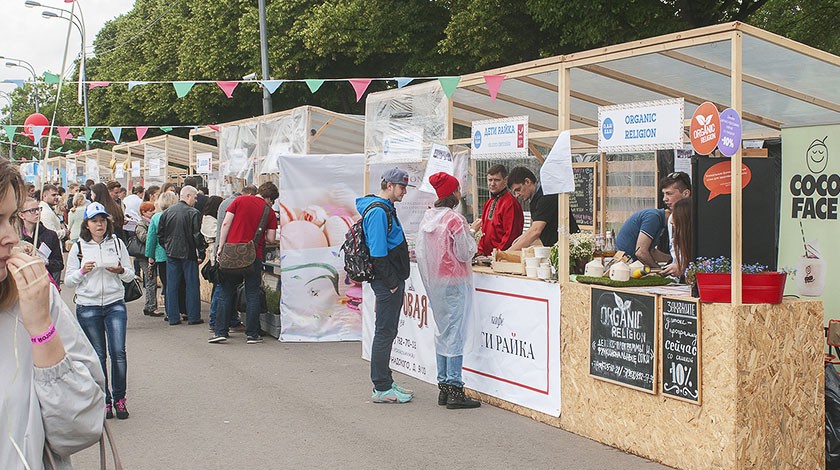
(720, 264)
(581, 246)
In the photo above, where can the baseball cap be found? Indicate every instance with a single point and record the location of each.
(93, 209)
(396, 176)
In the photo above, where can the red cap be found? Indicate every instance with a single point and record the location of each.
(444, 184)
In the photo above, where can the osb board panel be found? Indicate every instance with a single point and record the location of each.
(781, 411)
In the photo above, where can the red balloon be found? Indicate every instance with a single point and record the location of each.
(36, 119)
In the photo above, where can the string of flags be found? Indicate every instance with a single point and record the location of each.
(360, 85)
(64, 132)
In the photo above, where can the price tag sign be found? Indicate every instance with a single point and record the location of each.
(730, 132)
(681, 349)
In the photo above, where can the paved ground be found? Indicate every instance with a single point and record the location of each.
(195, 405)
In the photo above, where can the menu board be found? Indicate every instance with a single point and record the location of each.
(582, 201)
(623, 346)
(681, 349)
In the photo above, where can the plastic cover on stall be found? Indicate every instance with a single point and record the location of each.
(237, 150)
(402, 125)
(285, 135)
(154, 159)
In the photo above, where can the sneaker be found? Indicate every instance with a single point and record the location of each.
(403, 390)
(391, 395)
(109, 411)
(122, 412)
(217, 339)
(254, 339)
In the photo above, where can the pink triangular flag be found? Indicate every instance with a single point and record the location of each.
(63, 133)
(494, 82)
(360, 85)
(141, 132)
(228, 87)
(92, 85)
(215, 127)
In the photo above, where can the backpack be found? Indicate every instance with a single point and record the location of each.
(357, 261)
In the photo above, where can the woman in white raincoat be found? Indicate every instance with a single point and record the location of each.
(444, 250)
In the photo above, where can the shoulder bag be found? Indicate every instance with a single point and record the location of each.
(237, 258)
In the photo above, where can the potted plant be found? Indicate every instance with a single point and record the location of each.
(713, 280)
(581, 247)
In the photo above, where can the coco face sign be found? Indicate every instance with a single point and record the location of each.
(640, 127)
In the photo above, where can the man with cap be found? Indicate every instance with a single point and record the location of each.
(385, 239)
(501, 219)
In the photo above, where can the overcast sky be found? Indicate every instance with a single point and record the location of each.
(25, 34)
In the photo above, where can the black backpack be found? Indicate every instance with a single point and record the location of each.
(357, 262)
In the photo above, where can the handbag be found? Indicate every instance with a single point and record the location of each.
(135, 247)
(210, 272)
(133, 290)
(242, 301)
(237, 258)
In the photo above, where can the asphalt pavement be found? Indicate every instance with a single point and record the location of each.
(196, 405)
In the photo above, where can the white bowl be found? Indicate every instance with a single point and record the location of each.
(542, 251)
(530, 272)
(532, 262)
(543, 273)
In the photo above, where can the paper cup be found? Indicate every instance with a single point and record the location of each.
(543, 273)
(542, 251)
(532, 262)
(531, 272)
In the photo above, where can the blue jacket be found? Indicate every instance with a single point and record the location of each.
(388, 249)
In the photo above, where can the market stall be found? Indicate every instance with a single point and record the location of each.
(157, 160)
(747, 389)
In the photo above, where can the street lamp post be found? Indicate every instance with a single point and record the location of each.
(264, 57)
(10, 62)
(3, 94)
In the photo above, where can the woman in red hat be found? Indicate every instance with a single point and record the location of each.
(444, 252)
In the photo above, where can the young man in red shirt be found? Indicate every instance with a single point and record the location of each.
(241, 223)
(501, 218)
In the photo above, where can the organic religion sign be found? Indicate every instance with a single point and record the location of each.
(640, 127)
(710, 129)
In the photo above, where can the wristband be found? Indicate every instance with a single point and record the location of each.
(44, 337)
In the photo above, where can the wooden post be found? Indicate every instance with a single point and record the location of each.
(602, 193)
(737, 190)
(191, 157)
(563, 124)
(165, 166)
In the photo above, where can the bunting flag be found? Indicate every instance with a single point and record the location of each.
(141, 132)
(360, 85)
(271, 85)
(166, 129)
(37, 133)
(51, 77)
(228, 88)
(182, 88)
(10, 131)
(63, 133)
(92, 85)
(116, 132)
(314, 84)
(89, 133)
(18, 83)
(449, 84)
(134, 84)
(494, 82)
(403, 81)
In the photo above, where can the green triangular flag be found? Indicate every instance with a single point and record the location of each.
(449, 84)
(166, 129)
(10, 132)
(314, 84)
(182, 88)
(51, 77)
(59, 149)
(89, 133)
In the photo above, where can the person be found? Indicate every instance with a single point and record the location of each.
(389, 253)
(154, 251)
(49, 198)
(46, 244)
(240, 225)
(682, 239)
(638, 235)
(52, 384)
(201, 198)
(30, 190)
(151, 194)
(114, 188)
(169, 187)
(132, 208)
(147, 210)
(88, 193)
(179, 231)
(122, 194)
(97, 266)
(444, 254)
(99, 193)
(209, 218)
(72, 190)
(76, 216)
(675, 187)
(544, 210)
(501, 219)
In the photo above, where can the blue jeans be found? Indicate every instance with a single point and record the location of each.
(449, 370)
(224, 300)
(100, 323)
(182, 272)
(216, 303)
(388, 307)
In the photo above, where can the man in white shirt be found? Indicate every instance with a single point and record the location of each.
(49, 198)
(132, 208)
(675, 186)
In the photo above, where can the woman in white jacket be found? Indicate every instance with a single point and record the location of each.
(97, 266)
(51, 386)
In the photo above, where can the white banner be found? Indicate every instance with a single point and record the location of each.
(406, 145)
(92, 169)
(641, 127)
(202, 162)
(440, 160)
(154, 159)
(71, 171)
(317, 206)
(415, 202)
(499, 138)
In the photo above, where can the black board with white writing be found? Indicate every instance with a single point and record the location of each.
(582, 201)
(681, 349)
(623, 346)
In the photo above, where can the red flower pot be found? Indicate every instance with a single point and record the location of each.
(764, 288)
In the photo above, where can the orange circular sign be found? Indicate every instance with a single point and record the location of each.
(705, 128)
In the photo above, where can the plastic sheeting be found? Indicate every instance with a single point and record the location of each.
(237, 148)
(155, 162)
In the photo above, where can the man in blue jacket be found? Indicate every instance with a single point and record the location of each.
(389, 252)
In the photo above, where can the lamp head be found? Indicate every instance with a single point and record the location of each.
(11, 64)
(31, 4)
(49, 14)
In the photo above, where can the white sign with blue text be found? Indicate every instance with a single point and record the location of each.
(500, 138)
(641, 127)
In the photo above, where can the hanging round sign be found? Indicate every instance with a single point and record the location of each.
(705, 128)
(35, 120)
(730, 132)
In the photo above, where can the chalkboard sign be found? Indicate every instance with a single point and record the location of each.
(622, 333)
(582, 201)
(681, 349)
